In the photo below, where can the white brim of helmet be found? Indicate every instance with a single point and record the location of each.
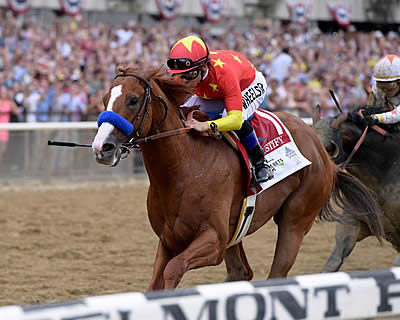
(390, 79)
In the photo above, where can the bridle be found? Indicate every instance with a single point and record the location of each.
(135, 141)
(128, 128)
(144, 108)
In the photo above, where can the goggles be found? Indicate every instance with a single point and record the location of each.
(190, 75)
(184, 63)
(180, 63)
(387, 86)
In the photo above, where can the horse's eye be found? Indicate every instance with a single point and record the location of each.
(132, 101)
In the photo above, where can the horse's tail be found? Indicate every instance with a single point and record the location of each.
(356, 201)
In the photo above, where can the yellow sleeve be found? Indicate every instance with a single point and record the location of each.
(233, 121)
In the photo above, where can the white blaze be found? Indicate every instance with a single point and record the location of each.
(106, 128)
(115, 93)
(102, 134)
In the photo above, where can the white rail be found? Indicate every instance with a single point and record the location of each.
(25, 126)
(341, 295)
(21, 126)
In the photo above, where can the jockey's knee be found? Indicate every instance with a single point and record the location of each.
(245, 130)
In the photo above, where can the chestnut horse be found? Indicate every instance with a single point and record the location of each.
(197, 184)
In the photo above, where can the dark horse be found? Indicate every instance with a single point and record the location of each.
(197, 184)
(377, 164)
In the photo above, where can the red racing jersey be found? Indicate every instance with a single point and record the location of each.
(229, 73)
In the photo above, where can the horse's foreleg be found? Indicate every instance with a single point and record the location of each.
(161, 260)
(205, 250)
(346, 237)
(237, 266)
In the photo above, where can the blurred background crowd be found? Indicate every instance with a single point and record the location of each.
(60, 72)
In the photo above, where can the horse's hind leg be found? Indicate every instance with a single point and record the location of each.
(237, 266)
(346, 238)
(286, 250)
(294, 221)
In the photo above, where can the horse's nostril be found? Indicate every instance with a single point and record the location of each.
(330, 148)
(108, 147)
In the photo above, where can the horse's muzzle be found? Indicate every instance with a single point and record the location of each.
(110, 154)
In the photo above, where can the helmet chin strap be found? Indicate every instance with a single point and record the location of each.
(203, 73)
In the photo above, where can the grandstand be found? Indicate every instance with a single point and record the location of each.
(45, 57)
(58, 59)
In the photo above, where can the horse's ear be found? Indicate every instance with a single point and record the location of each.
(121, 68)
(153, 72)
(316, 114)
(337, 123)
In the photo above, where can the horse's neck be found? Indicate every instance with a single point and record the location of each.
(165, 157)
(376, 155)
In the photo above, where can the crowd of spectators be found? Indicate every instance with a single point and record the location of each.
(60, 72)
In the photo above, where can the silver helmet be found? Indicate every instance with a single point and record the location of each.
(387, 68)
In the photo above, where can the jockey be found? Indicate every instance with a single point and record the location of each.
(385, 92)
(228, 88)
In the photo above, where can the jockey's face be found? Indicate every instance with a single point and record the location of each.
(390, 89)
(193, 78)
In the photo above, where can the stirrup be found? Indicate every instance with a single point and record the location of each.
(269, 174)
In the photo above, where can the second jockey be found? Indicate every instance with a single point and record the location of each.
(228, 88)
(385, 94)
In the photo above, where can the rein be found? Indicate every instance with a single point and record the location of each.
(174, 132)
(357, 146)
(128, 128)
(213, 132)
(381, 131)
(136, 141)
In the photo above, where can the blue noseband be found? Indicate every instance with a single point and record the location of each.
(115, 119)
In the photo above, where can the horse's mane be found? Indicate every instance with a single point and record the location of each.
(175, 90)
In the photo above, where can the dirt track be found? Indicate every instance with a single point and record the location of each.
(65, 243)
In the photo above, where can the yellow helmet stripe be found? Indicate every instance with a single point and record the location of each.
(188, 42)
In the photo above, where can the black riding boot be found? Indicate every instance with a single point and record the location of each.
(248, 138)
(263, 171)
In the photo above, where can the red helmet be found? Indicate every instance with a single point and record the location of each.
(187, 54)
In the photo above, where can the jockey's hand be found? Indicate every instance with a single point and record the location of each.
(197, 125)
(370, 120)
(355, 118)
